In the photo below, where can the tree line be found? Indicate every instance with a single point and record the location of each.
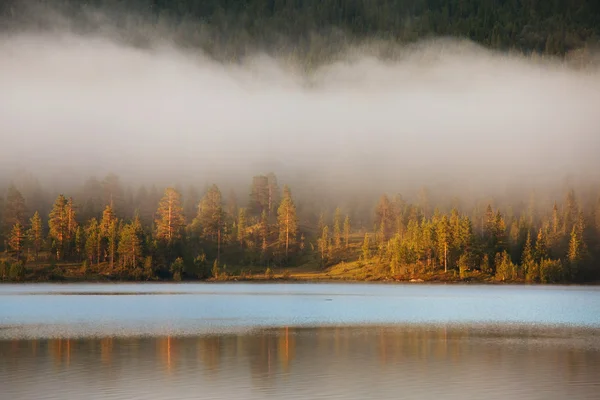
(552, 27)
(165, 235)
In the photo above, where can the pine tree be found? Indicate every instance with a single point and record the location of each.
(571, 211)
(528, 264)
(16, 239)
(488, 225)
(211, 217)
(79, 242)
(442, 232)
(130, 246)
(241, 226)
(264, 233)
(273, 193)
(321, 223)
(58, 222)
(169, 217)
(71, 216)
(324, 244)
(574, 254)
(384, 217)
(287, 221)
(259, 195)
(35, 234)
(366, 248)
(541, 245)
(93, 241)
(347, 231)
(14, 209)
(337, 229)
(109, 232)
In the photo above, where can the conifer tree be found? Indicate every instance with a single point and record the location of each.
(259, 195)
(211, 217)
(541, 245)
(347, 231)
(574, 254)
(16, 239)
(443, 239)
(384, 217)
(35, 234)
(58, 222)
(287, 220)
(109, 232)
(169, 217)
(264, 233)
(528, 264)
(14, 209)
(324, 244)
(366, 248)
(241, 226)
(130, 246)
(93, 241)
(337, 229)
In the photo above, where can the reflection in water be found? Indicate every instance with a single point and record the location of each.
(350, 363)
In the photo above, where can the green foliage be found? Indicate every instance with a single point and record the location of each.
(269, 273)
(17, 271)
(366, 248)
(406, 239)
(485, 265)
(551, 271)
(84, 267)
(466, 262)
(148, 268)
(215, 270)
(505, 269)
(177, 269)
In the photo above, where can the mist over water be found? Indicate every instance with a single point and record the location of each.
(440, 109)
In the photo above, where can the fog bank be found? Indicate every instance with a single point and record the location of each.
(442, 110)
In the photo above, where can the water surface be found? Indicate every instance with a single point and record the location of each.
(299, 341)
(43, 310)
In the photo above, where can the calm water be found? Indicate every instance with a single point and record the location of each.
(305, 341)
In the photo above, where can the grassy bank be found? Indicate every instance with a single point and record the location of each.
(355, 271)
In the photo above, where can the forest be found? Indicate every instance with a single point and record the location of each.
(107, 230)
(315, 28)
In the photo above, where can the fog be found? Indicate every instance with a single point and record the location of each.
(441, 110)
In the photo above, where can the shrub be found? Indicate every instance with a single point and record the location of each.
(551, 271)
(269, 273)
(177, 269)
(17, 271)
(215, 270)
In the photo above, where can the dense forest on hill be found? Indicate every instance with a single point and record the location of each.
(110, 230)
(554, 27)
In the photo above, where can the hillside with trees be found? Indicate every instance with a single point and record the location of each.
(107, 230)
(309, 27)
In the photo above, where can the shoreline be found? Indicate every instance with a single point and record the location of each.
(298, 280)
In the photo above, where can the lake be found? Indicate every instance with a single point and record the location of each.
(317, 341)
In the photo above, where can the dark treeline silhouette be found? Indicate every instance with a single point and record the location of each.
(106, 228)
(553, 27)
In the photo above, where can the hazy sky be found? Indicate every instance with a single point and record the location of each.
(444, 107)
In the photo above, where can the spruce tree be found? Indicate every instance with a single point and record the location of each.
(35, 234)
(287, 221)
(169, 217)
(337, 229)
(58, 223)
(16, 239)
(347, 231)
